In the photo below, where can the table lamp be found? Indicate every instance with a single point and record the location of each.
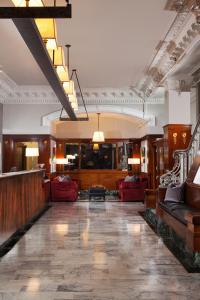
(135, 161)
(32, 152)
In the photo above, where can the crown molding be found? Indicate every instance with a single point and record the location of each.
(11, 93)
(183, 35)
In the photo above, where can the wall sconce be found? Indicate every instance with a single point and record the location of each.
(184, 136)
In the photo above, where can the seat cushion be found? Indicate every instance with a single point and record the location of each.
(177, 210)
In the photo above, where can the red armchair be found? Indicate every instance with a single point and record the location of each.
(132, 191)
(64, 191)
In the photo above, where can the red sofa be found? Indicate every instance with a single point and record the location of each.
(64, 191)
(132, 191)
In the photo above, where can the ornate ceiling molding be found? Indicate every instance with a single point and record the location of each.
(182, 35)
(11, 93)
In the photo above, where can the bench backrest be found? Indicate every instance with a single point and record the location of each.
(192, 190)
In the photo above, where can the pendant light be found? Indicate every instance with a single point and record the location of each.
(28, 3)
(98, 136)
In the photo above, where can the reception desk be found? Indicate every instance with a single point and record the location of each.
(22, 197)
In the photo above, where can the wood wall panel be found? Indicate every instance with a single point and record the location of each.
(107, 178)
(176, 137)
(21, 198)
(9, 149)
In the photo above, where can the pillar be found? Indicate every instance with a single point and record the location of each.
(177, 133)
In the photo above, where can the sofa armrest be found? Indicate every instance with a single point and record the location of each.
(161, 194)
(193, 218)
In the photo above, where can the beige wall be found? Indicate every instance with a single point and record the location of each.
(113, 126)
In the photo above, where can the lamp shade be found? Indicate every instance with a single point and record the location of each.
(32, 3)
(69, 156)
(47, 29)
(69, 87)
(61, 161)
(74, 105)
(62, 72)
(73, 98)
(96, 147)
(57, 56)
(98, 136)
(133, 161)
(30, 152)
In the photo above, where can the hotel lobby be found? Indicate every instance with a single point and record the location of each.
(99, 150)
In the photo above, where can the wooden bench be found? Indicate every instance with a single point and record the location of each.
(184, 219)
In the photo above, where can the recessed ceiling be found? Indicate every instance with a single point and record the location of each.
(112, 42)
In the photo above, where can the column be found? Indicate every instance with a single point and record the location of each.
(177, 133)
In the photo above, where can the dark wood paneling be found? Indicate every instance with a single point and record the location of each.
(21, 198)
(176, 137)
(107, 178)
(9, 149)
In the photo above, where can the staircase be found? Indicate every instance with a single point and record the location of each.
(183, 160)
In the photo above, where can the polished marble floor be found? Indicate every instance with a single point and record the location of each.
(94, 251)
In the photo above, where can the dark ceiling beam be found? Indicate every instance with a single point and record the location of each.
(36, 12)
(78, 119)
(30, 34)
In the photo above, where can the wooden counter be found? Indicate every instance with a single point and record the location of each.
(22, 196)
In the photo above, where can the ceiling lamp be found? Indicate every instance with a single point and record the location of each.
(57, 56)
(62, 73)
(28, 3)
(98, 136)
(69, 87)
(58, 59)
(48, 32)
(74, 106)
(73, 98)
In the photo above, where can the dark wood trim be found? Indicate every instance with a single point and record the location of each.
(22, 197)
(36, 12)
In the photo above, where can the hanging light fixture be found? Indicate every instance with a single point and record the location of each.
(58, 60)
(69, 88)
(98, 136)
(28, 3)
(69, 84)
(48, 32)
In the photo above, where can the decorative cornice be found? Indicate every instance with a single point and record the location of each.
(181, 36)
(10, 93)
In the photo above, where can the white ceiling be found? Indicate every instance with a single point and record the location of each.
(112, 42)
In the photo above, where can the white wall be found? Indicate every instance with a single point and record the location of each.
(113, 126)
(193, 108)
(26, 118)
(179, 107)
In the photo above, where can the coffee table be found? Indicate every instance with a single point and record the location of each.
(97, 192)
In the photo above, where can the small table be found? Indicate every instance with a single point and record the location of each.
(97, 192)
